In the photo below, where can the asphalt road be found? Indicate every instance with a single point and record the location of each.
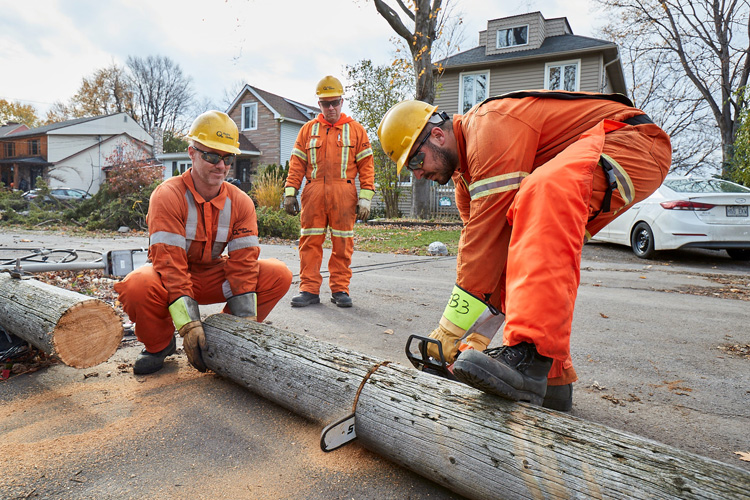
(652, 344)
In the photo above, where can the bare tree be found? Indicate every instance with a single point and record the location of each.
(162, 92)
(425, 19)
(696, 52)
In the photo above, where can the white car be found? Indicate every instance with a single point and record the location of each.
(686, 212)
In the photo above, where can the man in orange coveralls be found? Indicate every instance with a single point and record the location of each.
(537, 173)
(191, 220)
(329, 153)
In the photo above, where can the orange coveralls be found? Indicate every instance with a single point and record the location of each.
(329, 157)
(179, 218)
(529, 188)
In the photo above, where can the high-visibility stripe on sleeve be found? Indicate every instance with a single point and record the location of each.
(191, 224)
(342, 234)
(363, 154)
(497, 184)
(624, 182)
(244, 242)
(172, 239)
(222, 229)
(299, 154)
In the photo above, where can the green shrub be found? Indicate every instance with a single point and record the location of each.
(277, 223)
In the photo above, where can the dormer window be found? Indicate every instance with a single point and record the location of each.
(512, 37)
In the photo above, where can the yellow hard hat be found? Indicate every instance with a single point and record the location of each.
(329, 86)
(216, 130)
(400, 127)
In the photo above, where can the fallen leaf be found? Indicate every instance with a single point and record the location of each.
(642, 277)
(744, 455)
(388, 332)
(603, 315)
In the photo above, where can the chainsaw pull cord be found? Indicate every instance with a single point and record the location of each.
(364, 381)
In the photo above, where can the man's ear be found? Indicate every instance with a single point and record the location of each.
(438, 134)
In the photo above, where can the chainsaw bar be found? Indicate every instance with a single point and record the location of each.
(338, 433)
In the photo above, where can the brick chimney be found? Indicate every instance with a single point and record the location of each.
(158, 135)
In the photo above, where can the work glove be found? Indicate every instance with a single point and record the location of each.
(363, 209)
(194, 343)
(187, 319)
(291, 205)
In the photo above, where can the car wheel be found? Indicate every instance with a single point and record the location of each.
(642, 241)
(739, 253)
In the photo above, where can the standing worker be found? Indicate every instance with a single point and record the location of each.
(331, 150)
(537, 173)
(192, 219)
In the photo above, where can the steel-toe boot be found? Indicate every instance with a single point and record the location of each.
(150, 362)
(341, 299)
(305, 299)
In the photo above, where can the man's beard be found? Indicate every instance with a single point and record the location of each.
(447, 161)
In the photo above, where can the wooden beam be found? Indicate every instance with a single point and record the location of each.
(475, 444)
(81, 331)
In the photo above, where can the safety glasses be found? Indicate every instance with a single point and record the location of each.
(330, 104)
(214, 158)
(416, 160)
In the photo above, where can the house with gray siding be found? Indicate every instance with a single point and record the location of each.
(523, 52)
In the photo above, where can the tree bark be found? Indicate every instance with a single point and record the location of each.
(477, 445)
(79, 330)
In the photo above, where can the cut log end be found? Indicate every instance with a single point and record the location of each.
(87, 334)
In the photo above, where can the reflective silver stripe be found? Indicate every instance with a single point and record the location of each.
(342, 234)
(345, 140)
(497, 184)
(175, 240)
(244, 242)
(299, 154)
(191, 224)
(314, 150)
(312, 231)
(624, 183)
(226, 289)
(222, 229)
(363, 154)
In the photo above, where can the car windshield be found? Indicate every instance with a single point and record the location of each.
(704, 186)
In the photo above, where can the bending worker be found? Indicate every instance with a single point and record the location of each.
(192, 219)
(537, 173)
(331, 150)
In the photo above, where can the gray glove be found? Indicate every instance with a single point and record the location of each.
(291, 205)
(363, 209)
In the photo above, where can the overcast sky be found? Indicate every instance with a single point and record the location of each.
(282, 46)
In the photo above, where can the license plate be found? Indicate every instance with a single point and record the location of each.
(737, 211)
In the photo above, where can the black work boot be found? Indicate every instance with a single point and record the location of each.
(305, 299)
(341, 299)
(514, 372)
(559, 397)
(150, 362)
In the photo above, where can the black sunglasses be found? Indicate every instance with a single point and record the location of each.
(416, 160)
(329, 104)
(214, 158)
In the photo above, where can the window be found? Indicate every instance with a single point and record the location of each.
(473, 90)
(250, 116)
(9, 148)
(512, 37)
(34, 146)
(562, 76)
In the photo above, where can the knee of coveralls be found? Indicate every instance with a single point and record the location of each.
(549, 215)
(313, 223)
(144, 300)
(274, 280)
(342, 214)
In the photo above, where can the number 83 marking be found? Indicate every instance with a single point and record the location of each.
(460, 305)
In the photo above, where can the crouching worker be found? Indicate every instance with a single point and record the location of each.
(537, 173)
(192, 219)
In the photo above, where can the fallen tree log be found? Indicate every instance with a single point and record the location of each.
(477, 445)
(81, 331)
